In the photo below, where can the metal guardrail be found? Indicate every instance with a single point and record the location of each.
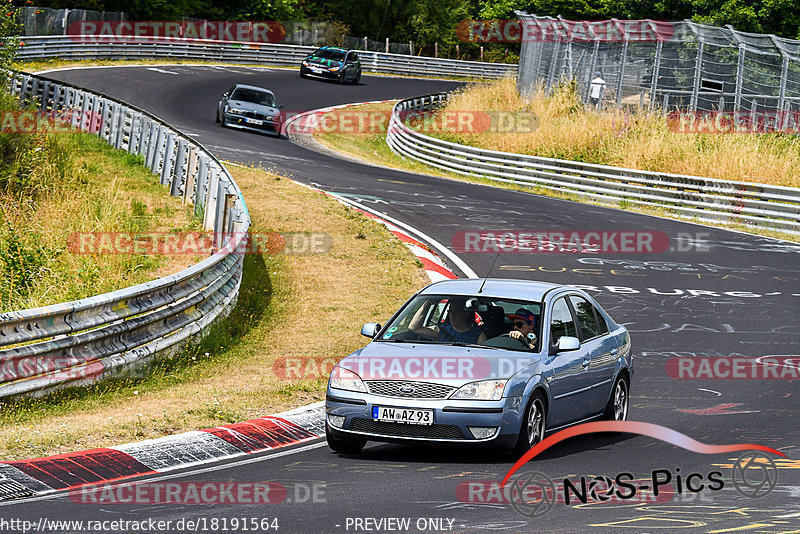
(76, 47)
(691, 197)
(83, 341)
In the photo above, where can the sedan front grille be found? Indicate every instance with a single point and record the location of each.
(402, 430)
(408, 390)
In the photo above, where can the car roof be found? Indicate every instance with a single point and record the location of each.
(245, 86)
(529, 290)
(335, 48)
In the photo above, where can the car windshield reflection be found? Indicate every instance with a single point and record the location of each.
(467, 321)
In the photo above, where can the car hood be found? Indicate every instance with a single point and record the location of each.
(324, 62)
(250, 106)
(440, 364)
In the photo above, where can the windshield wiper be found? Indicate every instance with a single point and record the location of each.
(462, 344)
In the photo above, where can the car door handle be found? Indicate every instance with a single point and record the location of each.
(585, 363)
(614, 351)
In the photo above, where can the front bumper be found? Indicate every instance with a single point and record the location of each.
(323, 73)
(240, 121)
(451, 419)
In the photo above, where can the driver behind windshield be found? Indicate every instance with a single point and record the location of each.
(524, 323)
(460, 326)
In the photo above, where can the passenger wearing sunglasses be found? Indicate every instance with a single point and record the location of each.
(524, 324)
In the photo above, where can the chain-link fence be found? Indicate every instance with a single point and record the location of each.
(669, 65)
(47, 21)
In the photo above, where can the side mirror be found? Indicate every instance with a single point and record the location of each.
(567, 343)
(370, 330)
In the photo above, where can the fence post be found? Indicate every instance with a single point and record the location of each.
(782, 89)
(387, 45)
(621, 73)
(656, 72)
(411, 48)
(697, 70)
(364, 40)
(592, 69)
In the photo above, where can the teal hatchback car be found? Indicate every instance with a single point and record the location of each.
(332, 63)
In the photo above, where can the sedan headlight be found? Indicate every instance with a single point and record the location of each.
(235, 111)
(342, 378)
(483, 390)
(305, 63)
(334, 69)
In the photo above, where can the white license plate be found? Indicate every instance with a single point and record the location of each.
(402, 415)
(316, 69)
(257, 122)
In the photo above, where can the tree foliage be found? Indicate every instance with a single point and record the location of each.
(427, 21)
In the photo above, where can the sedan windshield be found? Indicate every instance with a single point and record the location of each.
(335, 55)
(254, 96)
(467, 320)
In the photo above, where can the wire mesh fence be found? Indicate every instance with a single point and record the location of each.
(668, 65)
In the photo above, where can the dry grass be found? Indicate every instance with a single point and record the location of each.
(372, 149)
(620, 137)
(290, 306)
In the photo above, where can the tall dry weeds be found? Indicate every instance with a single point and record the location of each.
(625, 137)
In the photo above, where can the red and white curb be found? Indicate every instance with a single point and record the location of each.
(306, 123)
(29, 478)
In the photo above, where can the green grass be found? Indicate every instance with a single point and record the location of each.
(57, 186)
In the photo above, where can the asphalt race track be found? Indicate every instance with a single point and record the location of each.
(751, 311)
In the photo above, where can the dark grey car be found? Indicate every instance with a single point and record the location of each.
(250, 108)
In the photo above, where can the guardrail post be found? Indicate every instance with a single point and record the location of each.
(44, 95)
(96, 114)
(85, 109)
(201, 187)
(112, 131)
(136, 128)
(191, 175)
(167, 172)
(210, 205)
(155, 149)
(181, 169)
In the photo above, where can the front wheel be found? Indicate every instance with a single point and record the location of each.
(344, 445)
(533, 425)
(617, 407)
